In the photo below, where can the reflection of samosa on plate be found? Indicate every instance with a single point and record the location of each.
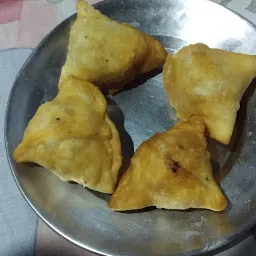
(74, 138)
(210, 83)
(171, 170)
(107, 53)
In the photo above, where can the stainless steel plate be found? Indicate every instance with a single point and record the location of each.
(81, 215)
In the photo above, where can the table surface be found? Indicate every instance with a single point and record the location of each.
(23, 24)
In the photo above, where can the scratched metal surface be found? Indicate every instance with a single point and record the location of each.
(81, 215)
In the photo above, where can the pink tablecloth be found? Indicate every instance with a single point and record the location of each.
(23, 23)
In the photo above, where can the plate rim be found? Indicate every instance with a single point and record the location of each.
(228, 239)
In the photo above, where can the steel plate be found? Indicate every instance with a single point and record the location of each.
(81, 215)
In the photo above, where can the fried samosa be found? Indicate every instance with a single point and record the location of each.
(107, 53)
(210, 83)
(171, 170)
(74, 138)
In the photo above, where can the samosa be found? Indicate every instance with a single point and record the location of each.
(171, 170)
(107, 53)
(210, 83)
(73, 137)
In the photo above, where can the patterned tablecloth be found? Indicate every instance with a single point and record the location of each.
(23, 23)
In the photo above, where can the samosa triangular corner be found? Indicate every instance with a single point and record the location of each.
(129, 196)
(171, 170)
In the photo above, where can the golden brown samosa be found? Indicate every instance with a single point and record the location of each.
(73, 137)
(107, 53)
(171, 170)
(210, 83)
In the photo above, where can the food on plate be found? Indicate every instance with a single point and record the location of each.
(73, 137)
(210, 83)
(107, 53)
(171, 170)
